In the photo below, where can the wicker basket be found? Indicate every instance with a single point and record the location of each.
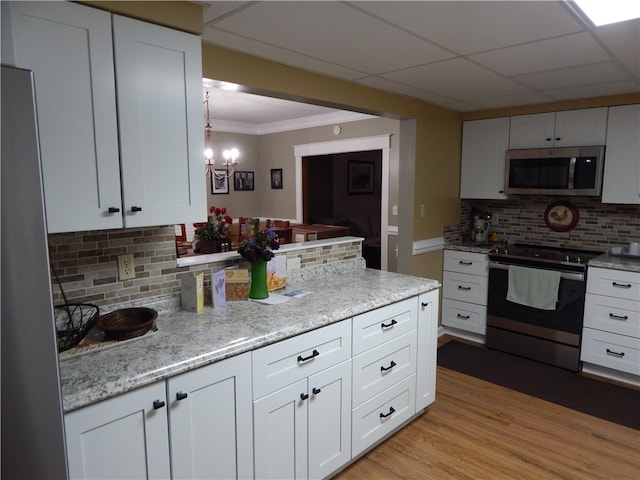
(73, 321)
(127, 323)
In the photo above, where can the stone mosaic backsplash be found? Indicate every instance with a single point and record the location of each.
(87, 265)
(600, 225)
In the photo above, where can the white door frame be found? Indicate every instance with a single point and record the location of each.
(377, 142)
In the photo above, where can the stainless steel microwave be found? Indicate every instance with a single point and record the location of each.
(575, 171)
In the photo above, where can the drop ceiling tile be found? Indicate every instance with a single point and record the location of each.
(578, 49)
(467, 27)
(400, 89)
(587, 91)
(331, 32)
(217, 9)
(459, 79)
(510, 100)
(566, 77)
(275, 54)
(623, 39)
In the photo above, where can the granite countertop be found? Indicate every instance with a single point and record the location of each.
(185, 340)
(616, 262)
(469, 247)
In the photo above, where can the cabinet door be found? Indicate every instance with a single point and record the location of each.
(532, 131)
(69, 48)
(427, 349)
(210, 418)
(581, 127)
(329, 404)
(621, 183)
(122, 437)
(484, 145)
(159, 87)
(280, 433)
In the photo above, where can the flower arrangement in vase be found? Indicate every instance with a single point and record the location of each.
(258, 249)
(214, 235)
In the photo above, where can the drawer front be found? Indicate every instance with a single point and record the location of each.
(288, 361)
(610, 350)
(379, 326)
(379, 368)
(466, 262)
(379, 416)
(465, 316)
(614, 283)
(464, 287)
(613, 315)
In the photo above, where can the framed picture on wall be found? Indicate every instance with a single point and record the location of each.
(219, 185)
(243, 181)
(360, 177)
(276, 178)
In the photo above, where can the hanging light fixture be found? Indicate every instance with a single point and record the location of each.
(230, 156)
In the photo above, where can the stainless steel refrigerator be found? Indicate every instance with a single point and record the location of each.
(32, 420)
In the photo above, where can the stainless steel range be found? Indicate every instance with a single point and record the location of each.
(536, 302)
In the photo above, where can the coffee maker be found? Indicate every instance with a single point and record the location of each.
(480, 228)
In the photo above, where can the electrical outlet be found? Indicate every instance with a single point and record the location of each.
(495, 219)
(126, 266)
(394, 210)
(422, 210)
(293, 263)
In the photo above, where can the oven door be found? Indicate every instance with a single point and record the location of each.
(564, 324)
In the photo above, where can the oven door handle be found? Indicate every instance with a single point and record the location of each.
(566, 275)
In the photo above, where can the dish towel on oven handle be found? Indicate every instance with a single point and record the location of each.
(533, 287)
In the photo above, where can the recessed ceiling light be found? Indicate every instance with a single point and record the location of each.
(611, 11)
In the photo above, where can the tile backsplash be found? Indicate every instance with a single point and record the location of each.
(600, 225)
(87, 264)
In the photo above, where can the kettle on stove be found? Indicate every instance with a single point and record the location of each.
(480, 230)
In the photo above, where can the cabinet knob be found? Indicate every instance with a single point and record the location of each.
(181, 395)
(113, 210)
(158, 404)
(425, 304)
(304, 396)
(548, 139)
(136, 209)
(316, 390)
(558, 138)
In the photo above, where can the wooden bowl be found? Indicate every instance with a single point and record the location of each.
(127, 323)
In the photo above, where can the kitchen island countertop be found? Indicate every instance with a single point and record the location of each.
(616, 262)
(186, 340)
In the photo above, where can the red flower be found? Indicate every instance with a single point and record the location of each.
(223, 210)
(228, 219)
(212, 209)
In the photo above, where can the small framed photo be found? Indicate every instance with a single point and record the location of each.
(360, 177)
(276, 178)
(219, 183)
(243, 181)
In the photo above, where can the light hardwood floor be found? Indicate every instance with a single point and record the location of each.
(477, 430)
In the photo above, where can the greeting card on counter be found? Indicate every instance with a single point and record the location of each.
(218, 288)
(277, 273)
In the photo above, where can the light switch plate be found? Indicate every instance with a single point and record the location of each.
(126, 267)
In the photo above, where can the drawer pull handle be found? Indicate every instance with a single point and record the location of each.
(114, 209)
(316, 390)
(462, 287)
(388, 325)
(391, 365)
(464, 317)
(385, 415)
(615, 354)
(304, 396)
(462, 262)
(618, 317)
(181, 395)
(313, 355)
(621, 285)
(157, 404)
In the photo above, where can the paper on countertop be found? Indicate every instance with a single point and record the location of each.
(298, 293)
(272, 299)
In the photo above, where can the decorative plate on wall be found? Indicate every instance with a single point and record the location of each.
(561, 216)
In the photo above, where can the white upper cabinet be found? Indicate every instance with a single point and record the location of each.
(484, 145)
(120, 142)
(621, 182)
(559, 129)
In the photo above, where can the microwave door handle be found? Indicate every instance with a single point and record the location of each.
(572, 172)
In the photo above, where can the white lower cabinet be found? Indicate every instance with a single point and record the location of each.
(203, 417)
(611, 333)
(304, 430)
(122, 437)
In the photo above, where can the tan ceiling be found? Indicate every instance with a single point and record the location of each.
(461, 55)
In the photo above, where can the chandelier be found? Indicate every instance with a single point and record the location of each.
(230, 155)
